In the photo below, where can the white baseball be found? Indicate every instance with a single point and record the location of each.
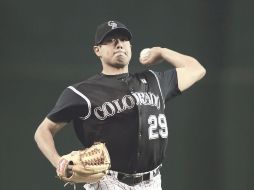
(144, 53)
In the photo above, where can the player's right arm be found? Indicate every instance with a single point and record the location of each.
(70, 105)
(44, 137)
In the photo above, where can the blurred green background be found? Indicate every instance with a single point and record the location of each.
(47, 45)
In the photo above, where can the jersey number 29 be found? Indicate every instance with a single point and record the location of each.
(157, 127)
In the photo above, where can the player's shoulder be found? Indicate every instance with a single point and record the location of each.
(86, 82)
(141, 73)
(148, 73)
(154, 75)
(164, 73)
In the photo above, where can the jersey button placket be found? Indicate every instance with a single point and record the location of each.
(140, 141)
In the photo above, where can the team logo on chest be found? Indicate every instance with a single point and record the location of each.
(109, 109)
(147, 98)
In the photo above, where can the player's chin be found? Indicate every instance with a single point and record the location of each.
(119, 65)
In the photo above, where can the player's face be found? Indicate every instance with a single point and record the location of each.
(115, 51)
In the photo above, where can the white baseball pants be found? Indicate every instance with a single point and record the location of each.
(112, 183)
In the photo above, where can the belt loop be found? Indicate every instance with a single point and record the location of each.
(151, 175)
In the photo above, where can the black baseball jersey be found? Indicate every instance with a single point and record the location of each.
(125, 111)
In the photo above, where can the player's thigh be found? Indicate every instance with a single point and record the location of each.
(107, 183)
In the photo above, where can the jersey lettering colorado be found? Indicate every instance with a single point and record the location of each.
(125, 111)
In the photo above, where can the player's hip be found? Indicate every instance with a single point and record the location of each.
(111, 182)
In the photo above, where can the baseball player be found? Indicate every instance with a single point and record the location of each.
(121, 109)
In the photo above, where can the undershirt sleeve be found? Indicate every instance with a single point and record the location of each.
(70, 105)
(168, 83)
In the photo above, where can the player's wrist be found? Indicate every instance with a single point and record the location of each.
(55, 161)
(165, 52)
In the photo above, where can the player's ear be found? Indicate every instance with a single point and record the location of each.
(97, 51)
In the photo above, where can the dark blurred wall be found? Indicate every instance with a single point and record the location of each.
(47, 45)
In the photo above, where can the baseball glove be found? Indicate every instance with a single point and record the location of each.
(88, 165)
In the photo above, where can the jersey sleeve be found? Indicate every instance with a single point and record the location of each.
(70, 105)
(168, 83)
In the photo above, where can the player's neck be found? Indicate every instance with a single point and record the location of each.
(114, 71)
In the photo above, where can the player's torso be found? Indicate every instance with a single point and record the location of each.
(129, 117)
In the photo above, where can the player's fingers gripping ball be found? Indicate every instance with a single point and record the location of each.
(144, 55)
(88, 165)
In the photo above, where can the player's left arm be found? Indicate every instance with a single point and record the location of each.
(188, 69)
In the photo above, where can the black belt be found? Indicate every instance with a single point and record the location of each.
(133, 179)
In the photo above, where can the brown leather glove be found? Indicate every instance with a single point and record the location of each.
(88, 165)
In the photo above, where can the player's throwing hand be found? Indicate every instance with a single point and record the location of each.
(150, 56)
